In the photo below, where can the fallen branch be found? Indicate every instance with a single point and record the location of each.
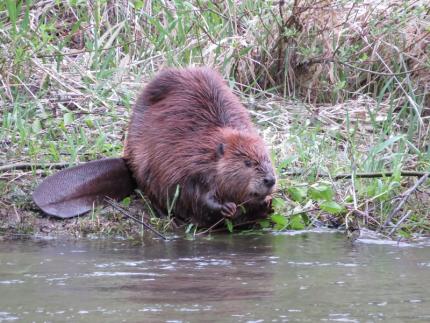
(127, 214)
(382, 174)
(362, 175)
(31, 166)
(400, 222)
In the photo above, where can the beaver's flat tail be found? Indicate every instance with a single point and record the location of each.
(74, 191)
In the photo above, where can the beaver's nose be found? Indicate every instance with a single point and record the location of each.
(269, 181)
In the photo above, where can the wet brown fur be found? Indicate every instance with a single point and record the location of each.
(189, 129)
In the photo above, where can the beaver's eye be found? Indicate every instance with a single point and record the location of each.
(248, 163)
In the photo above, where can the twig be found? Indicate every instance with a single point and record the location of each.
(381, 73)
(58, 53)
(234, 226)
(361, 175)
(405, 197)
(400, 222)
(31, 166)
(116, 206)
(211, 227)
(382, 174)
(333, 59)
(363, 215)
(311, 209)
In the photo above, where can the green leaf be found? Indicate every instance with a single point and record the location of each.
(68, 118)
(36, 126)
(264, 224)
(339, 85)
(298, 194)
(54, 152)
(321, 191)
(286, 162)
(404, 233)
(75, 27)
(280, 221)
(11, 6)
(138, 4)
(332, 207)
(296, 222)
(385, 144)
(245, 51)
(278, 203)
(305, 219)
(126, 202)
(89, 122)
(229, 225)
(242, 209)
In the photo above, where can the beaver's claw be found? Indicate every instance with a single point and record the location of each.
(228, 209)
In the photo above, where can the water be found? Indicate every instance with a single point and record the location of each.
(272, 278)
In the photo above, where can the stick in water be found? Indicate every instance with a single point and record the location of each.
(116, 206)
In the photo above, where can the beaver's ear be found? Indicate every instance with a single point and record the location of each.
(220, 150)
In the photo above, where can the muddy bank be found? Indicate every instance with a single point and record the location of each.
(20, 217)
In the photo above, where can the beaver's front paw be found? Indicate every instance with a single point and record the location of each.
(228, 210)
(267, 202)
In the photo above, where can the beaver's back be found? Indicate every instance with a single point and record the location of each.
(196, 97)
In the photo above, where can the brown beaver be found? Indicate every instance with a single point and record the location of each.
(189, 130)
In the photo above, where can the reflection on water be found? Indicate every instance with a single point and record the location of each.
(274, 277)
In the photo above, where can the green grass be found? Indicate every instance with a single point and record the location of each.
(335, 87)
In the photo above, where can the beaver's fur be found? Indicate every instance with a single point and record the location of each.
(189, 130)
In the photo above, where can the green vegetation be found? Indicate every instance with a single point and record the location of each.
(335, 87)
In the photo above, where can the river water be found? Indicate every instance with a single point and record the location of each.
(304, 277)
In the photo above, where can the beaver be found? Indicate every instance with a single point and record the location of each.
(189, 131)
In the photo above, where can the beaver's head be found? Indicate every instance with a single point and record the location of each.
(244, 170)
